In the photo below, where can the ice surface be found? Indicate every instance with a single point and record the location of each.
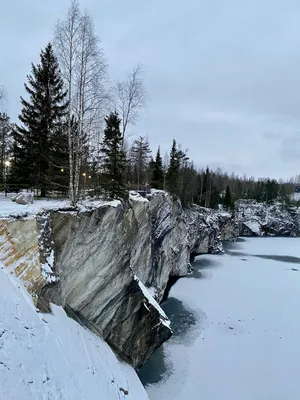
(247, 345)
(51, 357)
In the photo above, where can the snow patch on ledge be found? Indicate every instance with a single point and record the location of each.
(135, 196)
(163, 319)
(88, 205)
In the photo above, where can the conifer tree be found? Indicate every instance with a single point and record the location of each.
(158, 172)
(172, 175)
(38, 139)
(113, 158)
(228, 203)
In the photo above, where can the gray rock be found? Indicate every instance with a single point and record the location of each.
(263, 219)
(93, 263)
(23, 198)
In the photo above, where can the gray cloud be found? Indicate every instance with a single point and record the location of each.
(223, 76)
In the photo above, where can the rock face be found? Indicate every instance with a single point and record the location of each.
(262, 219)
(103, 256)
(110, 265)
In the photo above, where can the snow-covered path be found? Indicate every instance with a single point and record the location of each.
(51, 357)
(246, 343)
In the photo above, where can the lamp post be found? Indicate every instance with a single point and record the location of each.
(6, 166)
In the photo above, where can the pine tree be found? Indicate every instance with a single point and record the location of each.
(228, 203)
(158, 172)
(113, 158)
(172, 175)
(39, 140)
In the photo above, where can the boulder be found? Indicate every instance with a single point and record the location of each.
(23, 198)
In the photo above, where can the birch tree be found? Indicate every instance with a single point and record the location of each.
(5, 143)
(2, 97)
(84, 70)
(130, 98)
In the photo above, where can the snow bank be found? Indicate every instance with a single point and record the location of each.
(51, 357)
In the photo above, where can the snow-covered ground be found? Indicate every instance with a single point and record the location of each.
(246, 343)
(9, 208)
(51, 357)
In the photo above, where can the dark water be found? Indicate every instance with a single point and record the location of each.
(232, 248)
(182, 321)
(185, 323)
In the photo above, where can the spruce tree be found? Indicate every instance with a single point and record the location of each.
(228, 203)
(158, 172)
(113, 158)
(39, 148)
(172, 175)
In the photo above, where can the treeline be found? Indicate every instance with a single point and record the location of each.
(72, 131)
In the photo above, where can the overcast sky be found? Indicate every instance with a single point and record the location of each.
(223, 76)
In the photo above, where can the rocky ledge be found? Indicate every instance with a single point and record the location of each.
(263, 219)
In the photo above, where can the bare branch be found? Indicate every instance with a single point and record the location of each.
(130, 97)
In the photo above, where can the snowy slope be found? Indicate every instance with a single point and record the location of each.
(51, 357)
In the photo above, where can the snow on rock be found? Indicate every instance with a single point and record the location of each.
(52, 357)
(135, 196)
(46, 246)
(263, 219)
(150, 299)
(10, 209)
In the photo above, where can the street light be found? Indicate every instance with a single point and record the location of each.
(84, 181)
(6, 166)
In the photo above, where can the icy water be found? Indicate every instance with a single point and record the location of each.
(236, 325)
